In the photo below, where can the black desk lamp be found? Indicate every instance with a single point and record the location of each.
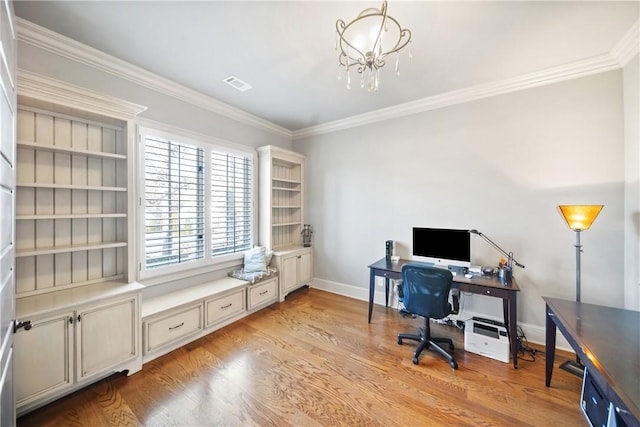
(578, 218)
(510, 259)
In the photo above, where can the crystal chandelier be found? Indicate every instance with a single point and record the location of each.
(366, 42)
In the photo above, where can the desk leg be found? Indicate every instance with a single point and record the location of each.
(372, 286)
(386, 292)
(550, 347)
(510, 312)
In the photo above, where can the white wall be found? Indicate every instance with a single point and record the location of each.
(632, 183)
(500, 165)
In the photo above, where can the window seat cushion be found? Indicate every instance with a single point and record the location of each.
(253, 276)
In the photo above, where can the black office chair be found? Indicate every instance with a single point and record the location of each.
(426, 294)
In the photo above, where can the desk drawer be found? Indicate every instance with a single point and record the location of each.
(262, 293)
(172, 327)
(389, 274)
(221, 308)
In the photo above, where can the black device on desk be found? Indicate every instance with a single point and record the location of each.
(388, 249)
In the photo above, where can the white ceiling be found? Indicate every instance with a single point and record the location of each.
(285, 49)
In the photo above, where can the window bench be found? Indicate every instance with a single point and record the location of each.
(173, 319)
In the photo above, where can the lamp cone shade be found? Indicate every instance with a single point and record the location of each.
(579, 217)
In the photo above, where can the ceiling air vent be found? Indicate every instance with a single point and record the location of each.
(235, 82)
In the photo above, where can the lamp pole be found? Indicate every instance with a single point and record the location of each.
(576, 368)
(578, 252)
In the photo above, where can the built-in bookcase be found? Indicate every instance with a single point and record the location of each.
(281, 197)
(71, 206)
(286, 186)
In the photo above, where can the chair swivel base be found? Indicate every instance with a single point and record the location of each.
(429, 343)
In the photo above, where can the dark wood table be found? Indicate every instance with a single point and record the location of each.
(607, 341)
(482, 285)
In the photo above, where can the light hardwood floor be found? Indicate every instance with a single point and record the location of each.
(315, 361)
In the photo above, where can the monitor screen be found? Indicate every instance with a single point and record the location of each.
(442, 246)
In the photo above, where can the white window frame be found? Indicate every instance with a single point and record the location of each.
(209, 262)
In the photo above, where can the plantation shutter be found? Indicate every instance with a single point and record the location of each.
(174, 203)
(231, 203)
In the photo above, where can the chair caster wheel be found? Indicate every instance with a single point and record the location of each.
(415, 360)
(453, 364)
(399, 340)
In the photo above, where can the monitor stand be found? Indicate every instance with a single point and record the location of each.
(459, 271)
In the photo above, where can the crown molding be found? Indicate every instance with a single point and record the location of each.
(44, 88)
(65, 47)
(570, 71)
(628, 46)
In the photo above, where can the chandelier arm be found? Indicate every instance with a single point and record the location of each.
(345, 61)
(378, 44)
(403, 33)
(378, 63)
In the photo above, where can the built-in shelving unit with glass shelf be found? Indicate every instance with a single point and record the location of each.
(71, 201)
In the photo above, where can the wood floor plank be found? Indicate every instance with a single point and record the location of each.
(313, 360)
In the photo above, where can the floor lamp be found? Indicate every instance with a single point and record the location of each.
(578, 218)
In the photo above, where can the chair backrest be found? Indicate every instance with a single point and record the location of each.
(426, 290)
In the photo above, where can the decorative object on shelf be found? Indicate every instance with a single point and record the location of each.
(505, 270)
(578, 218)
(366, 42)
(306, 235)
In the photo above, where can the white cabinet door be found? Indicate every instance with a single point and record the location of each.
(295, 269)
(304, 268)
(107, 336)
(43, 357)
(289, 273)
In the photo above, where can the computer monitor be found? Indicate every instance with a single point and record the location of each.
(442, 246)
